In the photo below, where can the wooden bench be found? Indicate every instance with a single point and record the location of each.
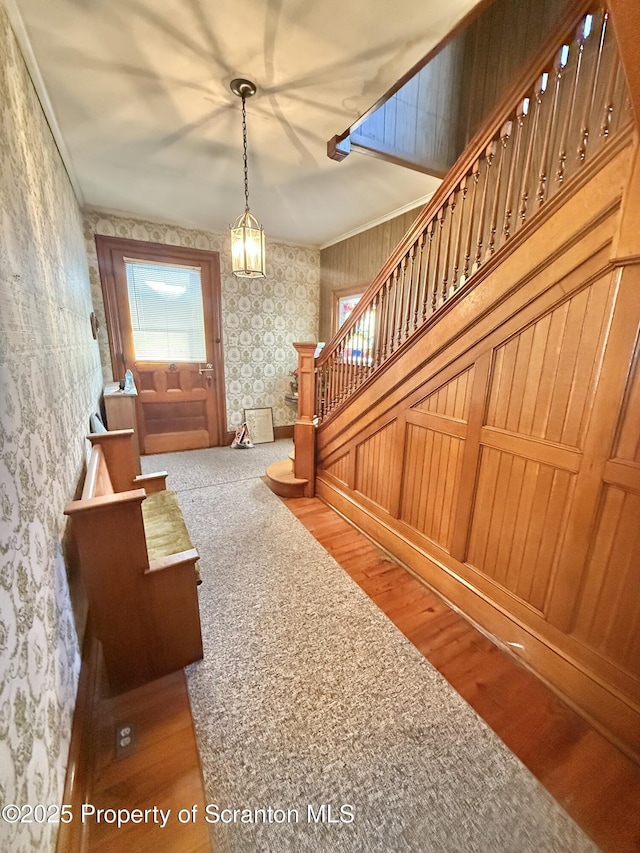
(139, 575)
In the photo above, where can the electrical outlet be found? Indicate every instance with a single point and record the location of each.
(125, 738)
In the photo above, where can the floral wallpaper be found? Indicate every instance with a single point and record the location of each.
(261, 318)
(50, 380)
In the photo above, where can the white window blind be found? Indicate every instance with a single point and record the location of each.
(167, 317)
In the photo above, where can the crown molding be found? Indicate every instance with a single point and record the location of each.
(418, 202)
(24, 42)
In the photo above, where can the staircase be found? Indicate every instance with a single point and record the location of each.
(282, 480)
(479, 413)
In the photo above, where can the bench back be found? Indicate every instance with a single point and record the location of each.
(97, 482)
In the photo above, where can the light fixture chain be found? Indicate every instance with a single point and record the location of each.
(244, 147)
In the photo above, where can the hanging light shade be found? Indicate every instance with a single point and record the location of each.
(247, 235)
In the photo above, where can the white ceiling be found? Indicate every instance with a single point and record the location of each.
(140, 93)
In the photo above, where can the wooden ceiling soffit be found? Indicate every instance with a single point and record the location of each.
(340, 146)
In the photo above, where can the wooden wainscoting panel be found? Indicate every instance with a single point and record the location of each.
(608, 411)
(502, 304)
(376, 466)
(452, 399)
(520, 512)
(609, 618)
(522, 504)
(432, 466)
(628, 440)
(339, 468)
(544, 376)
(605, 707)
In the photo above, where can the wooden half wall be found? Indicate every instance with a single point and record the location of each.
(498, 457)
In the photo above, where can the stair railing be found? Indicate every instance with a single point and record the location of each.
(575, 99)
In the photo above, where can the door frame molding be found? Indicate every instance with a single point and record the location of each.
(108, 248)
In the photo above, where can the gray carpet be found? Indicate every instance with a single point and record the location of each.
(308, 695)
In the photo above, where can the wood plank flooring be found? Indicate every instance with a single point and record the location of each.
(161, 770)
(596, 784)
(593, 781)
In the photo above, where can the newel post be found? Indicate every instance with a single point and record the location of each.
(304, 432)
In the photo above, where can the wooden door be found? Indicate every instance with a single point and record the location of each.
(164, 323)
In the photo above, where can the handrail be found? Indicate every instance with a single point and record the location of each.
(526, 151)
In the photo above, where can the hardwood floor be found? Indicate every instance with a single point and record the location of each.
(161, 770)
(596, 784)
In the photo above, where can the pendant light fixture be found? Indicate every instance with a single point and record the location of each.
(247, 236)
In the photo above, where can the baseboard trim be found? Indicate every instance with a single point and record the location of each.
(73, 837)
(283, 431)
(278, 432)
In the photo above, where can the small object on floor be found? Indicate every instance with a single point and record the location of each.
(242, 438)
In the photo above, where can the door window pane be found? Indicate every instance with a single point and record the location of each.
(167, 317)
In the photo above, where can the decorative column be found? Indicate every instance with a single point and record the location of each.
(304, 433)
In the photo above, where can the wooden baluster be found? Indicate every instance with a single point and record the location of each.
(326, 375)
(327, 367)
(348, 383)
(561, 61)
(451, 204)
(326, 396)
(370, 330)
(608, 98)
(540, 89)
(333, 396)
(400, 298)
(358, 344)
(474, 177)
(338, 374)
(393, 296)
(407, 270)
(592, 84)
(384, 321)
(364, 343)
(380, 319)
(365, 323)
(329, 391)
(462, 192)
(569, 112)
(319, 385)
(353, 361)
(419, 277)
(343, 370)
(515, 164)
(505, 135)
(490, 153)
(411, 288)
(437, 259)
(425, 274)
(356, 359)
(377, 347)
(397, 304)
(346, 373)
